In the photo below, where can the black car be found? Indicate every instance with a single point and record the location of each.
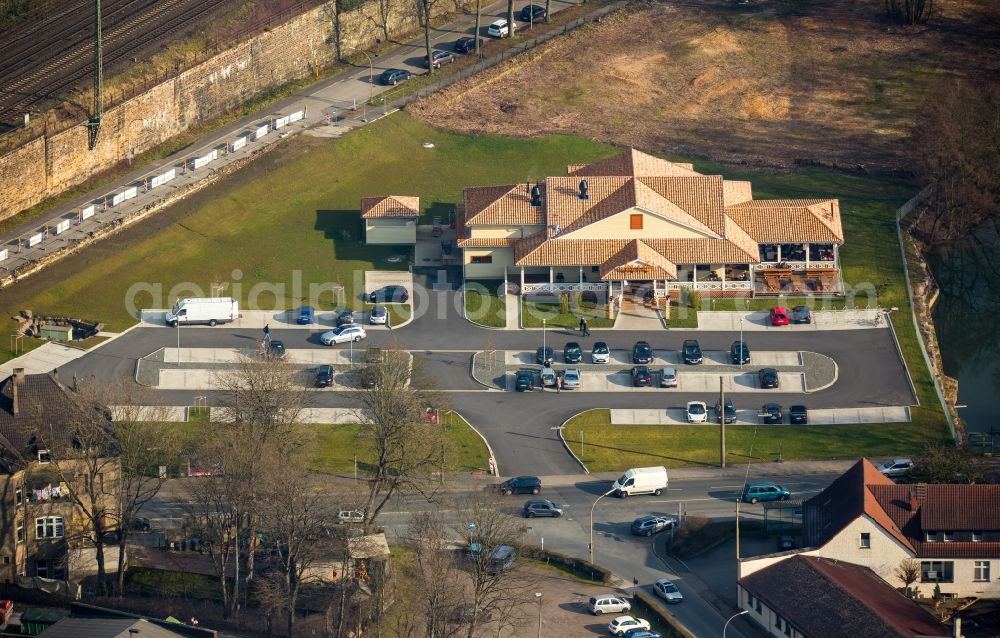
(391, 77)
(521, 485)
(440, 57)
(324, 376)
(649, 524)
(544, 354)
(768, 378)
(692, 352)
(801, 314)
(642, 352)
(524, 380)
(770, 413)
(345, 318)
(641, 377)
(730, 411)
(368, 377)
(389, 294)
(798, 415)
(532, 13)
(541, 507)
(141, 524)
(572, 353)
(276, 349)
(739, 353)
(468, 45)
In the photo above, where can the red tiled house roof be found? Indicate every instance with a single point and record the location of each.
(390, 206)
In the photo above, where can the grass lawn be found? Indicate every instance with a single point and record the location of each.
(532, 313)
(399, 313)
(336, 446)
(485, 306)
(609, 448)
(163, 583)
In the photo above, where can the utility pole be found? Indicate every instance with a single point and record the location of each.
(722, 425)
(97, 117)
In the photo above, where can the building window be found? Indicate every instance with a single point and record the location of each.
(981, 571)
(42, 568)
(20, 531)
(482, 259)
(595, 269)
(49, 527)
(936, 571)
(44, 457)
(758, 608)
(778, 621)
(6, 560)
(18, 495)
(788, 629)
(865, 542)
(931, 537)
(750, 600)
(948, 537)
(635, 222)
(977, 537)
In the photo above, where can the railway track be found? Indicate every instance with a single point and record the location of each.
(40, 62)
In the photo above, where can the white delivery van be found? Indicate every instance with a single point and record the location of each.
(641, 480)
(209, 310)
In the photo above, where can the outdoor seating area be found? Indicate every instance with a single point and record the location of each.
(786, 280)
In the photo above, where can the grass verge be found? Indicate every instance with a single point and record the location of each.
(147, 581)
(486, 305)
(532, 313)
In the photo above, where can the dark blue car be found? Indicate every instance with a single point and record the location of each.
(306, 315)
(393, 76)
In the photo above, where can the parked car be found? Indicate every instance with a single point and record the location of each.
(668, 591)
(729, 409)
(6, 610)
(438, 58)
(770, 413)
(368, 377)
(572, 353)
(542, 507)
(608, 604)
(306, 315)
(621, 624)
(324, 376)
(668, 378)
(392, 77)
(639, 632)
(500, 29)
(141, 524)
(532, 13)
(501, 559)
(343, 334)
(896, 467)
(389, 294)
(779, 316)
(798, 415)
(764, 491)
(571, 379)
(351, 516)
(549, 378)
(600, 353)
(521, 485)
(345, 318)
(801, 314)
(524, 380)
(378, 315)
(642, 352)
(468, 45)
(641, 377)
(543, 355)
(767, 378)
(275, 349)
(697, 412)
(692, 352)
(650, 524)
(739, 353)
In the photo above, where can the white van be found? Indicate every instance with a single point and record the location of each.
(641, 480)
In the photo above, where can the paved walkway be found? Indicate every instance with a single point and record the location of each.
(838, 416)
(758, 320)
(45, 358)
(513, 309)
(633, 316)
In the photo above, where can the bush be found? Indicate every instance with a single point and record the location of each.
(694, 299)
(564, 304)
(576, 566)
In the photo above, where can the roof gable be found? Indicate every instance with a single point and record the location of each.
(638, 261)
(509, 204)
(780, 220)
(630, 163)
(390, 206)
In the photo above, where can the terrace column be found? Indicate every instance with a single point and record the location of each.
(522, 280)
(552, 279)
(806, 247)
(723, 276)
(778, 248)
(580, 279)
(694, 273)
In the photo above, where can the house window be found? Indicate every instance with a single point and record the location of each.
(931, 537)
(595, 269)
(49, 527)
(749, 600)
(20, 531)
(778, 621)
(865, 542)
(635, 222)
(44, 457)
(977, 537)
(949, 537)
(6, 560)
(19, 495)
(42, 568)
(981, 571)
(788, 629)
(758, 608)
(482, 259)
(936, 571)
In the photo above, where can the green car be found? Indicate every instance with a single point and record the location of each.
(764, 491)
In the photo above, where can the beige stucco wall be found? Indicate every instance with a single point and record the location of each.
(884, 556)
(390, 230)
(492, 232)
(502, 257)
(617, 227)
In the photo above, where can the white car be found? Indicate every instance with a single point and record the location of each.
(499, 29)
(896, 467)
(549, 378)
(350, 516)
(600, 353)
(697, 412)
(668, 591)
(343, 334)
(621, 624)
(378, 315)
(571, 379)
(668, 378)
(608, 604)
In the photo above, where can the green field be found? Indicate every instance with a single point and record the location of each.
(532, 313)
(485, 306)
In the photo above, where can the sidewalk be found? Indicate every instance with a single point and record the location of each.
(856, 319)
(834, 416)
(42, 359)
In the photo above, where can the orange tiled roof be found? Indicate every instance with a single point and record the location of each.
(484, 242)
(770, 221)
(638, 261)
(631, 163)
(508, 205)
(537, 250)
(390, 206)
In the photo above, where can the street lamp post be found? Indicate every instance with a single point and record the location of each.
(543, 340)
(741, 343)
(592, 508)
(726, 626)
(538, 597)
(371, 83)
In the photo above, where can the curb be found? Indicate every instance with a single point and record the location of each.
(566, 445)
(902, 359)
(465, 316)
(472, 374)
(836, 373)
(496, 464)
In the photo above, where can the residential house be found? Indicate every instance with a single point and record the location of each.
(88, 621)
(42, 530)
(635, 222)
(864, 518)
(390, 219)
(810, 597)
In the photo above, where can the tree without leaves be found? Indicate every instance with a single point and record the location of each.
(383, 16)
(433, 571)
(908, 571)
(947, 464)
(909, 11)
(510, 18)
(425, 9)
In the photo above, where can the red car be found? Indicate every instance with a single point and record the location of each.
(779, 316)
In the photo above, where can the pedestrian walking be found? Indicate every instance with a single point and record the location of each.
(558, 383)
(586, 327)
(583, 326)
(267, 333)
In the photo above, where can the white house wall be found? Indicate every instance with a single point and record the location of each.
(618, 227)
(390, 230)
(882, 558)
(766, 617)
(502, 257)
(502, 232)
(749, 566)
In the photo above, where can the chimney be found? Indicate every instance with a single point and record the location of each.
(914, 503)
(55, 373)
(957, 626)
(16, 380)
(583, 189)
(536, 196)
